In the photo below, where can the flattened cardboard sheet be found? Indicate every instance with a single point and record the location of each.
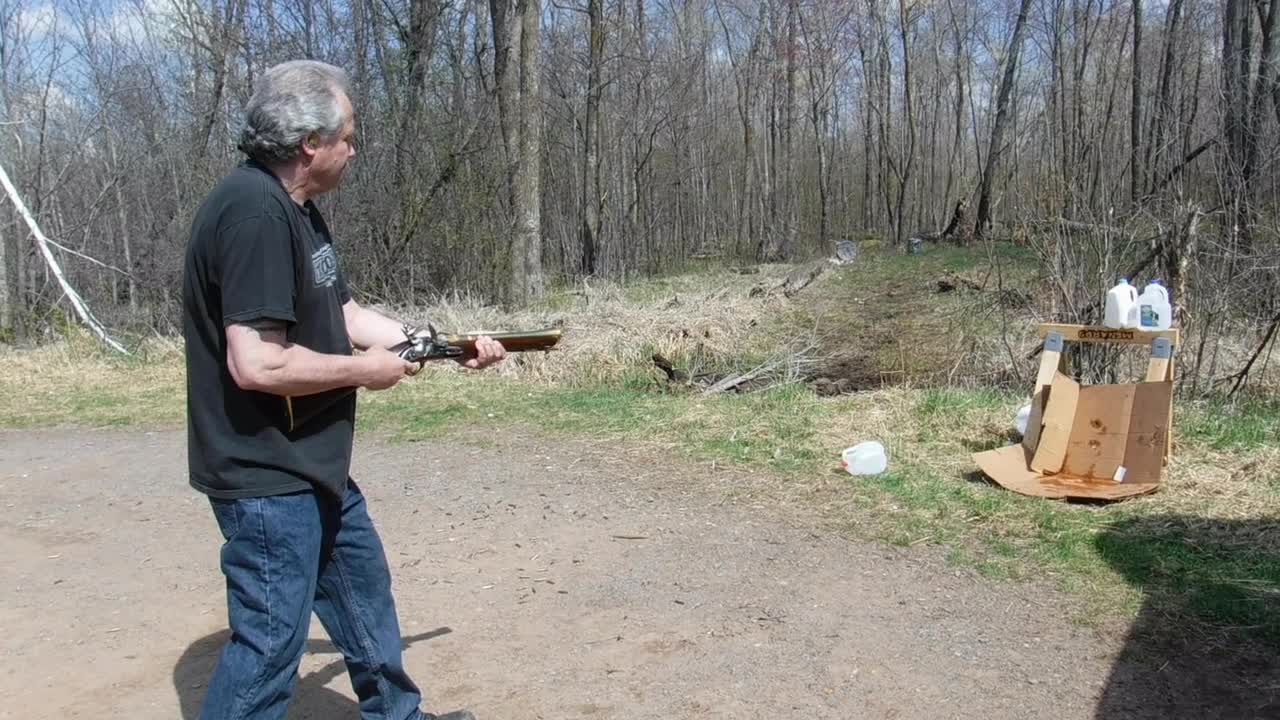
(1099, 432)
(1059, 416)
(1148, 439)
(1007, 466)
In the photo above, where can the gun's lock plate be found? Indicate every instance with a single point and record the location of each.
(424, 345)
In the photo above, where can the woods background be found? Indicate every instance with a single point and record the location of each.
(511, 144)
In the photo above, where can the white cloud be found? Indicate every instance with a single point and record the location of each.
(144, 23)
(37, 22)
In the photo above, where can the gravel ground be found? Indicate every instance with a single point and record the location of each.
(544, 578)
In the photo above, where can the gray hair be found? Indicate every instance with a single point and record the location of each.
(291, 101)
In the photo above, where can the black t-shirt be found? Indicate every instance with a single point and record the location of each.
(256, 254)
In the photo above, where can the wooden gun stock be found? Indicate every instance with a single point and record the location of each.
(511, 341)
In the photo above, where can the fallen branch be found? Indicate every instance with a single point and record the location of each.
(731, 383)
(793, 283)
(791, 362)
(800, 278)
(1177, 169)
(76, 301)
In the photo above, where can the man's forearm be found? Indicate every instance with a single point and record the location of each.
(369, 328)
(305, 372)
(280, 368)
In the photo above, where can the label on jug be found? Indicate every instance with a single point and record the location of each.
(1149, 316)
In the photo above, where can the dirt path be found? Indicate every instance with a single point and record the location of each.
(534, 581)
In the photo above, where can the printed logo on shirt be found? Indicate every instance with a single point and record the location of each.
(324, 263)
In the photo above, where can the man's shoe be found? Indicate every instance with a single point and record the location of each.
(455, 715)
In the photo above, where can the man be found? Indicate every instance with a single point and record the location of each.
(269, 327)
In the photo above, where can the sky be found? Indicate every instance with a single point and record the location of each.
(137, 21)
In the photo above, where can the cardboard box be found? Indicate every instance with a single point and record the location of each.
(1096, 441)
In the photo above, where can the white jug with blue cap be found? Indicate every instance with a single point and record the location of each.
(1155, 312)
(1121, 307)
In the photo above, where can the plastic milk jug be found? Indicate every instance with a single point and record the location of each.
(1155, 312)
(1121, 306)
(1021, 419)
(865, 458)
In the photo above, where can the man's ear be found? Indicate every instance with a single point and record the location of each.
(310, 144)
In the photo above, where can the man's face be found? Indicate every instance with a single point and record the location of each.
(329, 158)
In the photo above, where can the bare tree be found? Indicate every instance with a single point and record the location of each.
(996, 146)
(516, 30)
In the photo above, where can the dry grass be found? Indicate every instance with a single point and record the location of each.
(704, 323)
(76, 382)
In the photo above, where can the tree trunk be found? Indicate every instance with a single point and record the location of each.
(744, 76)
(788, 236)
(1237, 46)
(121, 215)
(527, 279)
(819, 84)
(957, 140)
(1136, 178)
(1269, 62)
(506, 36)
(591, 196)
(7, 296)
(1002, 119)
(220, 53)
(1163, 115)
(778, 238)
(410, 131)
(909, 117)
(419, 47)
(516, 29)
(868, 152)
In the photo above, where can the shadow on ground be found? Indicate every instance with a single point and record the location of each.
(1206, 643)
(311, 699)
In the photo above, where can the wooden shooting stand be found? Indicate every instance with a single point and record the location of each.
(1101, 441)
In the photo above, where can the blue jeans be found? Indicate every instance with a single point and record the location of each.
(287, 556)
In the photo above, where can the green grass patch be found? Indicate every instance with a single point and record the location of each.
(1248, 425)
(1212, 570)
(958, 404)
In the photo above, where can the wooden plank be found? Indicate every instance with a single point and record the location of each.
(1098, 333)
(1158, 369)
(1051, 362)
(1168, 436)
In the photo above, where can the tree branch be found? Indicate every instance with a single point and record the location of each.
(76, 301)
